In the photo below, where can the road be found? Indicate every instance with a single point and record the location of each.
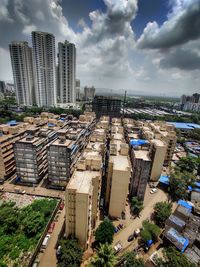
(48, 257)
(132, 224)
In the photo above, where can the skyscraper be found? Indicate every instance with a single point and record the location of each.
(21, 60)
(67, 72)
(44, 60)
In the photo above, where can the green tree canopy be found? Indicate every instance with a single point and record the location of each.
(188, 164)
(105, 257)
(179, 182)
(104, 233)
(174, 258)
(162, 210)
(71, 253)
(136, 206)
(130, 260)
(150, 231)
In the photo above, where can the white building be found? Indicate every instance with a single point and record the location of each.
(67, 72)
(44, 60)
(21, 60)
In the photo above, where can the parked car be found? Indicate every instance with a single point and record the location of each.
(153, 191)
(117, 247)
(62, 205)
(137, 232)
(45, 241)
(130, 238)
(51, 228)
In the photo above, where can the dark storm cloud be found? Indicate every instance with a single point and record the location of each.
(182, 26)
(181, 59)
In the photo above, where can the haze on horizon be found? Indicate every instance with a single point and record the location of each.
(153, 48)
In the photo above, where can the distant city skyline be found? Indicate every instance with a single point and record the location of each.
(152, 48)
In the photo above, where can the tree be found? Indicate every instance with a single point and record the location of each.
(188, 164)
(179, 182)
(104, 233)
(105, 257)
(129, 260)
(136, 205)
(150, 231)
(162, 210)
(173, 258)
(70, 254)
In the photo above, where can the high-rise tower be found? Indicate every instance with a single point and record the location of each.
(21, 60)
(44, 60)
(67, 72)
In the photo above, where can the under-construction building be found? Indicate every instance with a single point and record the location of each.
(106, 105)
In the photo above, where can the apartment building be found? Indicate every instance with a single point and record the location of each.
(31, 155)
(166, 133)
(89, 93)
(67, 72)
(44, 62)
(106, 105)
(82, 194)
(7, 159)
(22, 67)
(157, 154)
(141, 166)
(119, 172)
(64, 152)
(78, 90)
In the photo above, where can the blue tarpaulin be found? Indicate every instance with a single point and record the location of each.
(182, 125)
(196, 189)
(181, 243)
(51, 124)
(164, 179)
(185, 204)
(138, 142)
(197, 184)
(149, 242)
(12, 123)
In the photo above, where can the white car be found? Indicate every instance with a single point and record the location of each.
(117, 247)
(153, 191)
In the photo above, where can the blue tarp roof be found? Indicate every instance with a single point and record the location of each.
(182, 241)
(138, 142)
(185, 204)
(183, 125)
(12, 123)
(164, 179)
(197, 184)
(51, 124)
(176, 220)
(149, 242)
(196, 189)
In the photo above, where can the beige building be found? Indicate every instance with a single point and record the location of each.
(119, 172)
(157, 155)
(82, 195)
(7, 160)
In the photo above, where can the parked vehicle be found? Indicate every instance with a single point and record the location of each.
(137, 232)
(51, 228)
(62, 205)
(153, 191)
(130, 238)
(45, 241)
(117, 247)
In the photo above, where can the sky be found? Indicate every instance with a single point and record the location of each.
(148, 47)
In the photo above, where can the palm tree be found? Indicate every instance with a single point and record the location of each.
(105, 257)
(136, 205)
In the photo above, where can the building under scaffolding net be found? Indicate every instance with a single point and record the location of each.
(106, 105)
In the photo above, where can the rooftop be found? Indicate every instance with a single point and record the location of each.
(186, 126)
(81, 181)
(120, 163)
(142, 154)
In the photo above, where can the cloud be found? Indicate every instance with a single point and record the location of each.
(185, 58)
(182, 26)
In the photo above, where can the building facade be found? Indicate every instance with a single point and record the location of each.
(67, 72)
(44, 61)
(78, 90)
(89, 93)
(22, 67)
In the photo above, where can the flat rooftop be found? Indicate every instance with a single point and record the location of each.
(142, 154)
(66, 143)
(120, 162)
(186, 126)
(158, 142)
(81, 181)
